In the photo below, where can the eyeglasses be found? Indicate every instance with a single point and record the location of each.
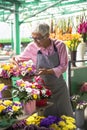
(38, 38)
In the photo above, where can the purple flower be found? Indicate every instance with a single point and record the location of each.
(46, 122)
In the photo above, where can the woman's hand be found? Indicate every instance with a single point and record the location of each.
(14, 61)
(44, 71)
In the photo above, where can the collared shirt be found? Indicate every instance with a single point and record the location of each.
(31, 50)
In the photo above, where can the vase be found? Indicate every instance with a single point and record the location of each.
(29, 107)
(81, 49)
(79, 116)
(73, 58)
(84, 36)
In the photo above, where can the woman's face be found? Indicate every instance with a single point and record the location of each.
(39, 39)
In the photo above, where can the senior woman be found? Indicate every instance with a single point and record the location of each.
(51, 60)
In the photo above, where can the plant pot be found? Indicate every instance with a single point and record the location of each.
(29, 107)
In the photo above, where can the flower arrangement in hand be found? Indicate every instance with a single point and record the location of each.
(8, 69)
(10, 110)
(27, 67)
(34, 90)
(73, 42)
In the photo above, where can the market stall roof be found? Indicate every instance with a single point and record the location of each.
(39, 9)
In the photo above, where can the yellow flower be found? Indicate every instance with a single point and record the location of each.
(55, 126)
(23, 85)
(62, 123)
(15, 108)
(2, 107)
(1, 101)
(73, 42)
(24, 64)
(29, 69)
(1, 86)
(7, 102)
(6, 67)
(33, 86)
(35, 96)
(34, 119)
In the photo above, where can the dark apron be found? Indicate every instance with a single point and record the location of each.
(60, 96)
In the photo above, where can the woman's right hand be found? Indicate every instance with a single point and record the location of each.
(14, 61)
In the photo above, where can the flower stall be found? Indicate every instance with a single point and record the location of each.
(46, 123)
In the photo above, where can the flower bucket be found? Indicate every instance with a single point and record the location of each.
(30, 107)
(73, 58)
(79, 116)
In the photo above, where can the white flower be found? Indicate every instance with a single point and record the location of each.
(29, 90)
(43, 91)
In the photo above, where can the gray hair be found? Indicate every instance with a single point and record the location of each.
(41, 28)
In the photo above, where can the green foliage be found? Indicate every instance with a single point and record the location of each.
(8, 41)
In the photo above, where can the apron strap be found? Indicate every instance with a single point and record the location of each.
(39, 52)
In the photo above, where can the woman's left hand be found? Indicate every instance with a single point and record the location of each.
(44, 71)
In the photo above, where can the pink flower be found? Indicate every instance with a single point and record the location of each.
(82, 28)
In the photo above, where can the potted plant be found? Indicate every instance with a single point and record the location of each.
(72, 44)
(79, 106)
(9, 112)
(31, 92)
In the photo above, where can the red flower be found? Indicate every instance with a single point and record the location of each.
(48, 92)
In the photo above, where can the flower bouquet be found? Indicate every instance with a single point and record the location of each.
(27, 68)
(73, 42)
(9, 112)
(8, 70)
(82, 29)
(34, 90)
(31, 93)
(72, 45)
